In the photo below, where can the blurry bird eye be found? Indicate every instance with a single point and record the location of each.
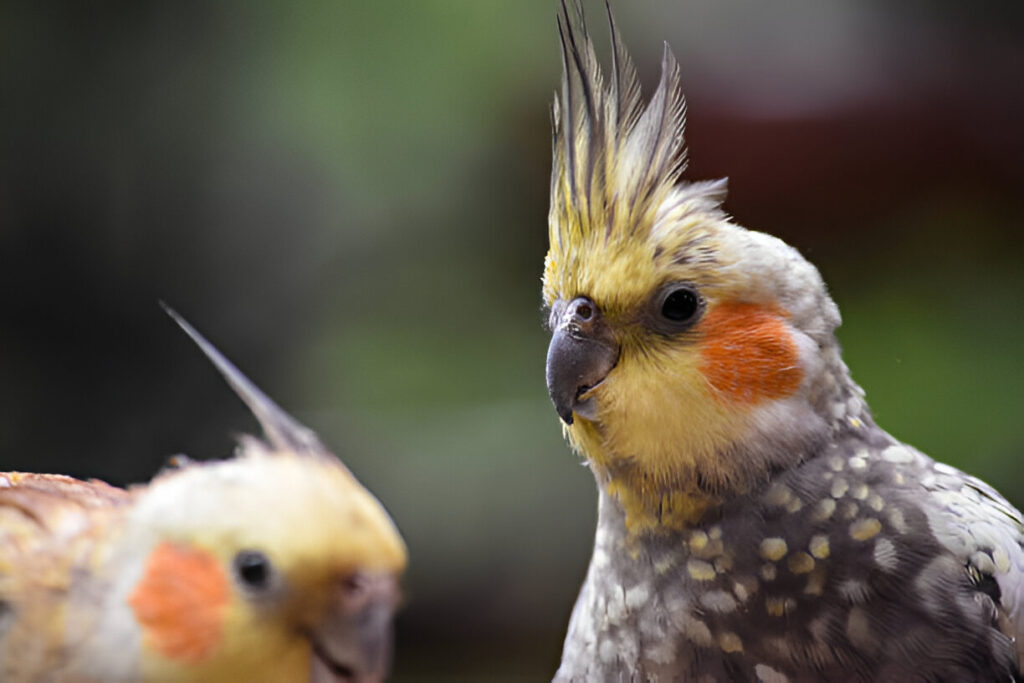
(680, 305)
(253, 568)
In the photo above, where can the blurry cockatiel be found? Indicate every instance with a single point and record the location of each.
(754, 523)
(274, 565)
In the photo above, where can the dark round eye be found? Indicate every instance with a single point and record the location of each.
(680, 305)
(253, 568)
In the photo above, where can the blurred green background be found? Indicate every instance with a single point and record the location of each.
(350, 200)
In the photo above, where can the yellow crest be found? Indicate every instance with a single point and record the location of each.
(616, 163)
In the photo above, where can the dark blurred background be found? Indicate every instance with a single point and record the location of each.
(350, 199)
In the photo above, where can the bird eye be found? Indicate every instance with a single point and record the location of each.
(680, 304)
(253, 568)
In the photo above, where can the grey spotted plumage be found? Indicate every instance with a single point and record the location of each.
(868, 561)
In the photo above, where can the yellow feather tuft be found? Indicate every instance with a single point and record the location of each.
(615, 178)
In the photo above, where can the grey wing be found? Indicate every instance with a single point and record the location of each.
(987, 533)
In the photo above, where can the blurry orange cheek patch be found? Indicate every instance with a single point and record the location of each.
(748, 354)
(180, 602)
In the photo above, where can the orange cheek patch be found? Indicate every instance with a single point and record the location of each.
(180, 602)
(748, 354)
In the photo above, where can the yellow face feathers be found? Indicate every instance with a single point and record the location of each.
(263, 566)
(711, 327)
(251, 550)
(266, 498)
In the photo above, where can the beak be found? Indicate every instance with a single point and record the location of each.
(353, 643)
(581, 354)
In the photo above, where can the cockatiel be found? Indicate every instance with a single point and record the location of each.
(754, 523)
(275, 565)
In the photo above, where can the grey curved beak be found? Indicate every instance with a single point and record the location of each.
(353, 643)
(581, 354)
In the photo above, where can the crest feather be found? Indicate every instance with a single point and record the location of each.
(282, 431)
(614, 160)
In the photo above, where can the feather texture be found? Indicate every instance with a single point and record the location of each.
(614, 160)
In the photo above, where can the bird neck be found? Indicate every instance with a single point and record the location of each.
(646, 509)
(658, 493)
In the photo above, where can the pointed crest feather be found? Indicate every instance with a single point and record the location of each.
(282, 431)
(614, 160)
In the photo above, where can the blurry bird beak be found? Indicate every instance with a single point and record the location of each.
(581, 354)
(353, 643)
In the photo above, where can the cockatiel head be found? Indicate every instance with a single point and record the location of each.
(690, 356)
(273, 565)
